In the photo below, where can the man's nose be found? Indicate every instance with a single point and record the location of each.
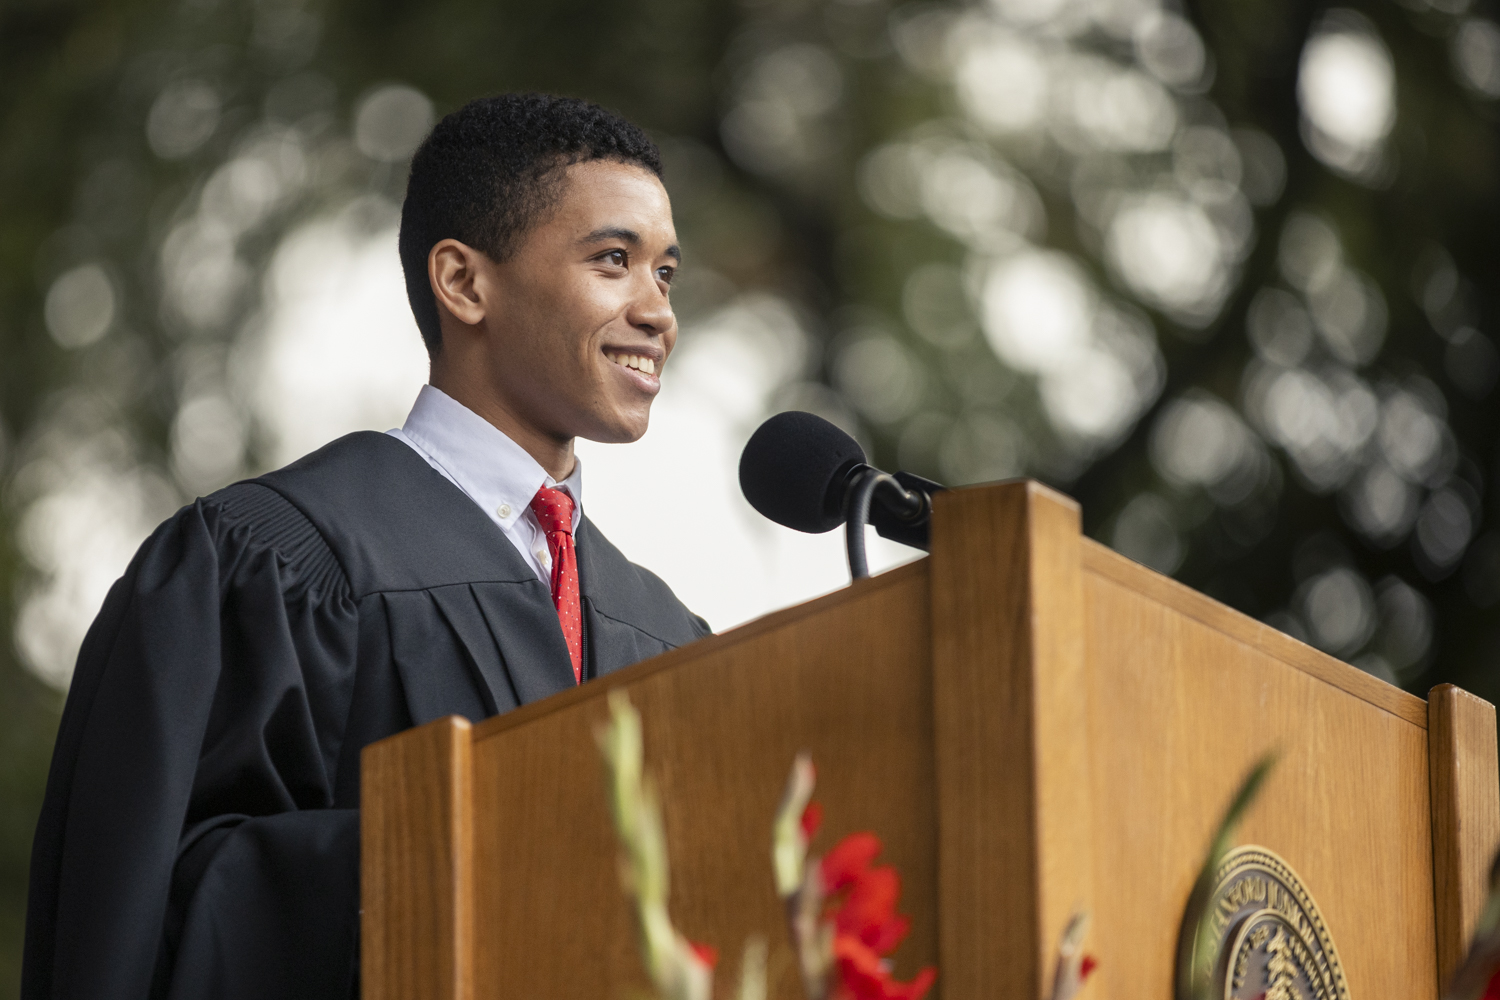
(650, 309)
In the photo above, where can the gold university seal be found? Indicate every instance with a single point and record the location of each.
(1268, 937)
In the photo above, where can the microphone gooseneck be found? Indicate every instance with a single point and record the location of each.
(854, 522)
(866, 483)
(803, 472)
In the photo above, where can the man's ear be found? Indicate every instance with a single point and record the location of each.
(453, 270)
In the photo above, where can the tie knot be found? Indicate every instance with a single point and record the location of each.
(553, 509)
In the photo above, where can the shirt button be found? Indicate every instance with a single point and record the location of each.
(503, 510)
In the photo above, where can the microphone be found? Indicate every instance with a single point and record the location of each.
(801, 471)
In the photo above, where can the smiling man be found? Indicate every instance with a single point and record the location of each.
(201, 828)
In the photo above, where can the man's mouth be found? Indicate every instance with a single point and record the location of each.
(645, 365)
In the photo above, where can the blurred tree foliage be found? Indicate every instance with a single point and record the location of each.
(1279, 382)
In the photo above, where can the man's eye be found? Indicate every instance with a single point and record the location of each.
(615, 257)
(666, 274)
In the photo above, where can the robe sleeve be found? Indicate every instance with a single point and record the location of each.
(189, 845)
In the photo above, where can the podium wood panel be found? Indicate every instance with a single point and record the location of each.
(417, 925)
(1032, 723)
(1010, 701)
(1465, 814)
(1102, 561)
(845, 678)
(1182, 704)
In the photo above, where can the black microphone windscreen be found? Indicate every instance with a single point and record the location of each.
(790, 466)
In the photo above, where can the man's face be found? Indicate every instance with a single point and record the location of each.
(578, 324)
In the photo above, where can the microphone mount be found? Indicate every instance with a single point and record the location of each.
(906, 511)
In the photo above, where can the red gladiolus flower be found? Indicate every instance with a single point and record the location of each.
(866, 925)
(864, 976)
(812, 818)
(706, 953)
(869, 911)
(849, 857)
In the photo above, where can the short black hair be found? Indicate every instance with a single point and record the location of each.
(489, 172)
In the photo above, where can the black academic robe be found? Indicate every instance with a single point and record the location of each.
(200, 832)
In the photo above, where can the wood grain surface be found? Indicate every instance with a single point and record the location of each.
(1010, 699)
(1185, 697)
(1105, 562)
(1032, 723)
(1465, 815)
(846, 678)
(417, 877)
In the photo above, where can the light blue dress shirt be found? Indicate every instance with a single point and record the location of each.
(491, 469)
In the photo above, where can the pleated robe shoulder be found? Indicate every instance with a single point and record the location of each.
(200, 832)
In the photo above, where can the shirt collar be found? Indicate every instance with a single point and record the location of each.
(493, 470)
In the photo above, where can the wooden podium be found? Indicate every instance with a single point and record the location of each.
(1033, 724)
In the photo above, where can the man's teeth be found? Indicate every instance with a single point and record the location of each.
(640, 364)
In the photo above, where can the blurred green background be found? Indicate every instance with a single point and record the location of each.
(1222, 272)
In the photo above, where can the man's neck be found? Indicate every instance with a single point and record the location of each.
(554, 456)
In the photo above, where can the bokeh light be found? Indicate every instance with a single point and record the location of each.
(80, 306)
(1346, 85)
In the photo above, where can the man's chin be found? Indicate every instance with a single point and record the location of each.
(618, 431)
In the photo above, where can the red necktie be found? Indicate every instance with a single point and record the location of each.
(554, 512)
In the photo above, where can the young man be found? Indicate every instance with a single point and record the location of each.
(201, 828)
